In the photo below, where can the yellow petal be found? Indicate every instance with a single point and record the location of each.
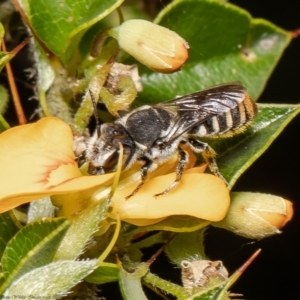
(37, 160)
(29, 153)
(199, 195)
(277, 219)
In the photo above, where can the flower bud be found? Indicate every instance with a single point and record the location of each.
(156, 47)
(255, 215)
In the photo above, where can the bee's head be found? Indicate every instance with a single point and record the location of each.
(103, 150)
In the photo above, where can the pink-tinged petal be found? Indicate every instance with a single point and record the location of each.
(30, 153)
(71, 186)
(37, 160)
(199, 195)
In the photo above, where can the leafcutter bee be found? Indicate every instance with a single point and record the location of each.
(154, 134)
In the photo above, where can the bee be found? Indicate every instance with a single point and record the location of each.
(152, 135)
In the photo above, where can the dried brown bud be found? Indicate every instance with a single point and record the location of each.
(202, 273)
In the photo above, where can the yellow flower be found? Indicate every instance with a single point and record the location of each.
(36, 160)
(156, 47)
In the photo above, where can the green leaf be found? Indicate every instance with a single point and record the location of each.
(61, 24)
(5, 57)
(51, 281)
(161, 237)
(2, 32)
(193, 247)
(173, 223)
(3, 124)
(80, 232)
(168, 287)
(40, 209)
(107, 272)
(43, 66)
(226, 44)
(130, 283)
(8, 228)
(236, 154)
(213, 293)
(32, 247)
(4, 98)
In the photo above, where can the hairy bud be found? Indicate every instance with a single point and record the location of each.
(156, 47)
(256, 215)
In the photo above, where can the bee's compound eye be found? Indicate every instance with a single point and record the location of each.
(111, 163)
(118, 135)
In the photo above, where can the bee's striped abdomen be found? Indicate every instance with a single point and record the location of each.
(235, 119)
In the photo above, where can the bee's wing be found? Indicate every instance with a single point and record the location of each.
(215, 100)
(194, 109)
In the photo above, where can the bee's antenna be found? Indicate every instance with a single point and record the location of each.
(95, 113)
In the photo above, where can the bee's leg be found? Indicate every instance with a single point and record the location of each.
(208, 155)
(145, 169)
(183, 160)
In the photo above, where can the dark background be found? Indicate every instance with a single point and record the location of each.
(275, 273)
